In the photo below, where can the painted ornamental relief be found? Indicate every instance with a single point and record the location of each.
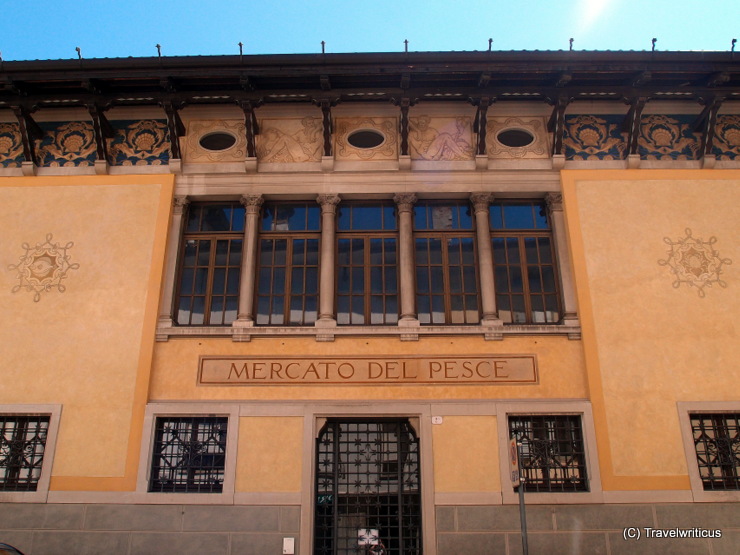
(386, 150)
(594, 138)
(726, 137)
(667, 138)
(538, 148)
(140, 143)
(441, 138)
(197, 129)
(11, 147)
(68, 145)
(287, 141)
(43, 267)
(694, 262)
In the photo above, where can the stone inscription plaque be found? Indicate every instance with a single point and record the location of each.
(409, 370)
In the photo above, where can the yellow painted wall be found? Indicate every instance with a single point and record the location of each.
(88, 348)
(649, 344)
(270, 456)
(466, 455)
(560, 361)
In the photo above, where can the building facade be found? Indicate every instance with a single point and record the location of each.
(300, 304)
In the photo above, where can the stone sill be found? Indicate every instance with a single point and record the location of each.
(404, 333)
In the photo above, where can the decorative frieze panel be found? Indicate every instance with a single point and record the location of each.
(195, 152)
(441, 138)
(345, 128)
(594, 138)
(139, 143)
(290, 140)
(726, 138)
(11, 147)
(536, 146)
(668, 138)
(67, 145)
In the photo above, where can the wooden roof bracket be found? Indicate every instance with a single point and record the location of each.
(481, 121)
(706, 123)
(631, 124)
(251, 127)
(175, 126)
(30, 132)
(103, 130)
(556, 123)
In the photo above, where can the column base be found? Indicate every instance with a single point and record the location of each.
(175, 165)
(404, 162)
(327, 163)
(708, 161)
(633, 161)
(481, 162)
(241, 327)
(250, 165)
(411, 324)
(493, 329)
(558, 161)
(101, 167)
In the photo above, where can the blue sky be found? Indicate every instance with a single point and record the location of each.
(101, 28)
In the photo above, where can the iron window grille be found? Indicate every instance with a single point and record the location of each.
(368, 488)
(288, 264)
(446, 263)
(552, 453)
(189, 454)
(717, 444)
(22, 448)
(367, 264)
(210, 265)
(526, 278)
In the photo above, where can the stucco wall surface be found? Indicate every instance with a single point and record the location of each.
(87, 347)
(650, 339)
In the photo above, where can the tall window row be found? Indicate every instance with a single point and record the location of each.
(445, 248)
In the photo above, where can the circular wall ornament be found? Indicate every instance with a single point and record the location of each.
(515, 138)
(43, 267)
(366, 138)
(217, 141)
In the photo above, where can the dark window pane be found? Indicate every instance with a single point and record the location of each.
(297, 285)
(204, 253)
(519, 314)
(217, 307)
(201, 280)
(535, 283)
(516, 279)
(312, 252)
(219, 281)
(235, 254)
(312, 281)
(186, 282)
(197, 314)
(497, 221)
(232, 285)
(391, 280)
(540, 216)
(512, 250)
(499, 250)
(518, 216)
(278, 281)
(190, 250)
(343, 280)
(422, 280)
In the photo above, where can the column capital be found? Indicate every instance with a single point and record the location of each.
(252, 203)
(405, 201)
(481, 201)
(179, 203)
(554, 201)
(328, 202)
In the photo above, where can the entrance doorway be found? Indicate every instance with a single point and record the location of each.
(368, 488)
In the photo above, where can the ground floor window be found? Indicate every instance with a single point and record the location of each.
(717, 444)
(368, 488)
(189, 454)
(22, 447)
(552, 454)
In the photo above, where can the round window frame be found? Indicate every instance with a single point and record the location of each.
(218, 132)
(519, 129)
(368, 130)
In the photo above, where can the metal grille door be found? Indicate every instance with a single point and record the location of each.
(368, 489)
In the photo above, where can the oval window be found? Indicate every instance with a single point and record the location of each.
(366, 138)
(217, 141)
(515, 137)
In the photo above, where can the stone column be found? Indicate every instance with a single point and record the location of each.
(567, 286)
(481, 204)
(245, 316)
(166, 300)
(326, 272)
(405, 204)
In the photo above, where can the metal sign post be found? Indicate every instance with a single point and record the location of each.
(518, 482)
